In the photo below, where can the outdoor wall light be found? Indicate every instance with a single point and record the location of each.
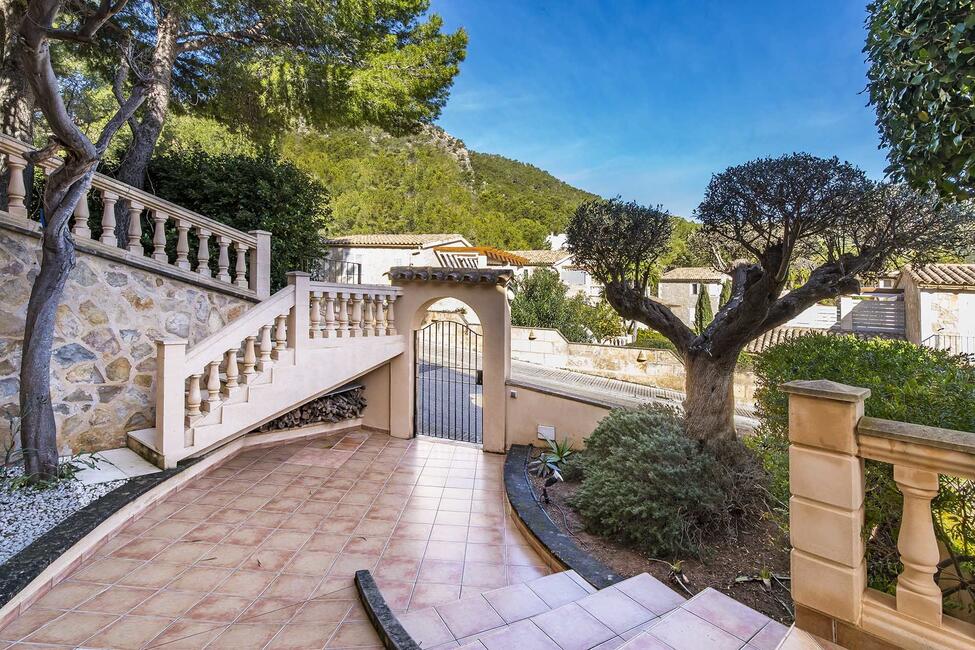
(642, 357)
(531, 335)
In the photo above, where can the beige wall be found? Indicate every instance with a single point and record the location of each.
(678, 296)
(661, 368)
(377, 388)
(104, 362)
(527, 408)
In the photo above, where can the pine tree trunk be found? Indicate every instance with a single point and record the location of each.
(38, 431)
(146, 133)
(710, 403)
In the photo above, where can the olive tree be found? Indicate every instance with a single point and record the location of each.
(46, 20)
(763, 215)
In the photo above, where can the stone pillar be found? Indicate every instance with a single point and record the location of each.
(260, 264)
(80, 227)
(135, 228)
(109, 199)
(16, 190)
(299, 318)
(826, 481)
(203, 253)
(170, 400)
(240, 270)
(159, 235)
(223, 258)
(182, 244)
(918, 595)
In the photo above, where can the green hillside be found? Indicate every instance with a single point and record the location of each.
(431, 183)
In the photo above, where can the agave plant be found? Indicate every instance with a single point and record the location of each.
(549, 463)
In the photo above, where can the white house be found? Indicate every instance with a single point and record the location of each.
(366, 258)
(560, 261)
(679, 289)
(940, 305)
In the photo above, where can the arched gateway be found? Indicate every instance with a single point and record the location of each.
(485, 292)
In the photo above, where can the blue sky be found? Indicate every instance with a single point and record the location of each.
(648, 99)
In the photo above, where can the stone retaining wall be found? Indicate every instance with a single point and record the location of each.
(104, 361)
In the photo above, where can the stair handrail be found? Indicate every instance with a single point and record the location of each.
(232, 333)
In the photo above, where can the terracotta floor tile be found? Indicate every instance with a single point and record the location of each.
(246, 636)
(396, 593)
(270, 610)
(397, 569)
(301, 636)
(573, 628)
(66, 595)
(375, 528)
(266, 519)
(412, 531)
(72, 628)
(207, 532)
(293, 587)
(426, 627)
(28, 622)
(129, 633)
(200, 580)
(769, 637)
(346, 565)
(360, 545)
(267, 560)
(516, 602)
(321, 541)
(469, 616)
(218, 608)
(246, 584)
(229, 516)
(226, 555)
(171, 529)
(453, 518)
(286, 540)
(324, 611)
(453, 551)
(432, 594)
(616, 610)
(183, 552)
(248, 536)
(140, 549)
(485, 553)
(116, 600)
(339, 524)
(153, 575)
(489, 576)
(167, 604)
(727, 613)
(318, 508)
(683, 630)
(441, 571)
(412, 549)
(302, 522)
(485, 536)
(650, 593)
(448, 533)
(357, 634)
(524, 636)
(419, 515)
(557, 589)
(313, 563)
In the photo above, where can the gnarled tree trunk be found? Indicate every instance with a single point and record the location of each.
(709, 406)
(146, 132)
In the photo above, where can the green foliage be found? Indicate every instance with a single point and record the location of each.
(725, 294)
(541, 300)
(645, 483)
(908, 383)
(652, 340)
(703, 314)
(251, 193)
(421, 183)
(550, 463)
(921, 80)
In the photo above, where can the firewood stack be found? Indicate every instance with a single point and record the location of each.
(329, 408)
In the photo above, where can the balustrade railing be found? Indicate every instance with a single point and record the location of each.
(172, 227)
(830, 440)
(194, 382)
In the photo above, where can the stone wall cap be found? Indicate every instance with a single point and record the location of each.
(826, 389)
(961, 441)
(443, 274)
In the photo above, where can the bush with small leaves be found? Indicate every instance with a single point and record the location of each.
(646, 484)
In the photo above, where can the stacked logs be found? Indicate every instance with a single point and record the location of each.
(329, 408)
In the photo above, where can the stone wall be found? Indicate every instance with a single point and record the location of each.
(104, 363)
(658, 368)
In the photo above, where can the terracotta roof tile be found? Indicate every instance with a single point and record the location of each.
(543, 257)
(396, 240)
(943, 275)
(694, 274)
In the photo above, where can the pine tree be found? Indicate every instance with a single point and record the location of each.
(703, 314)
(725, 294)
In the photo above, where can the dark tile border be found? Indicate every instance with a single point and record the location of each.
(534, 517)
(17, 572)
(393, 635)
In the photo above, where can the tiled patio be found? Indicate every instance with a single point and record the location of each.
(260, 552)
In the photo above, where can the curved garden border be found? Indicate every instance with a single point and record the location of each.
(393, 635)
(556, 547)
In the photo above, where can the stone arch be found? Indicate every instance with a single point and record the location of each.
(485, 292)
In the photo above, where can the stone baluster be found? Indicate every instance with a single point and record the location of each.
(203, 254)
(240, 270)
(343, 324)
(368, 324)
(135, 228)
(330, 314)
(231, 370)
(109, 199)
(80, 227)
(264, 361)
(182, 244)
(159, 235)
(391, 316)
(355, 315)
(16, 190)
(250, 359)
(193, 396)
(213, 386)
(380, 315)
(281, 333)
(315, 316)
(918, 595)
(223, 258)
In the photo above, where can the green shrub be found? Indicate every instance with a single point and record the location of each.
(908, 383)
(645, 483)
(651, 340)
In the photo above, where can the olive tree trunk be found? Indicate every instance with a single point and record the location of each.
(709, 404)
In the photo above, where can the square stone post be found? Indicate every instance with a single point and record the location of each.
(170, 400)
(299, 318)
(826, 483)
(260, 264)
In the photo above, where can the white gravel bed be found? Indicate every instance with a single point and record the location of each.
(28, 513)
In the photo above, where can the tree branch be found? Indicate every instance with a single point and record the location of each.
(630, 303)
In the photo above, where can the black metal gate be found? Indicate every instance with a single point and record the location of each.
(447, 381)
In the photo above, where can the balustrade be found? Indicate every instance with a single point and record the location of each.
(252, 265)
(830, 439)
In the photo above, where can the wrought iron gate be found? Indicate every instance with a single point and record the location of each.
(447, 380)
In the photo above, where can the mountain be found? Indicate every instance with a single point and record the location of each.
(431, 182)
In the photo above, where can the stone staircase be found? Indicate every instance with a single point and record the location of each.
(306, 340)
(563, 612)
